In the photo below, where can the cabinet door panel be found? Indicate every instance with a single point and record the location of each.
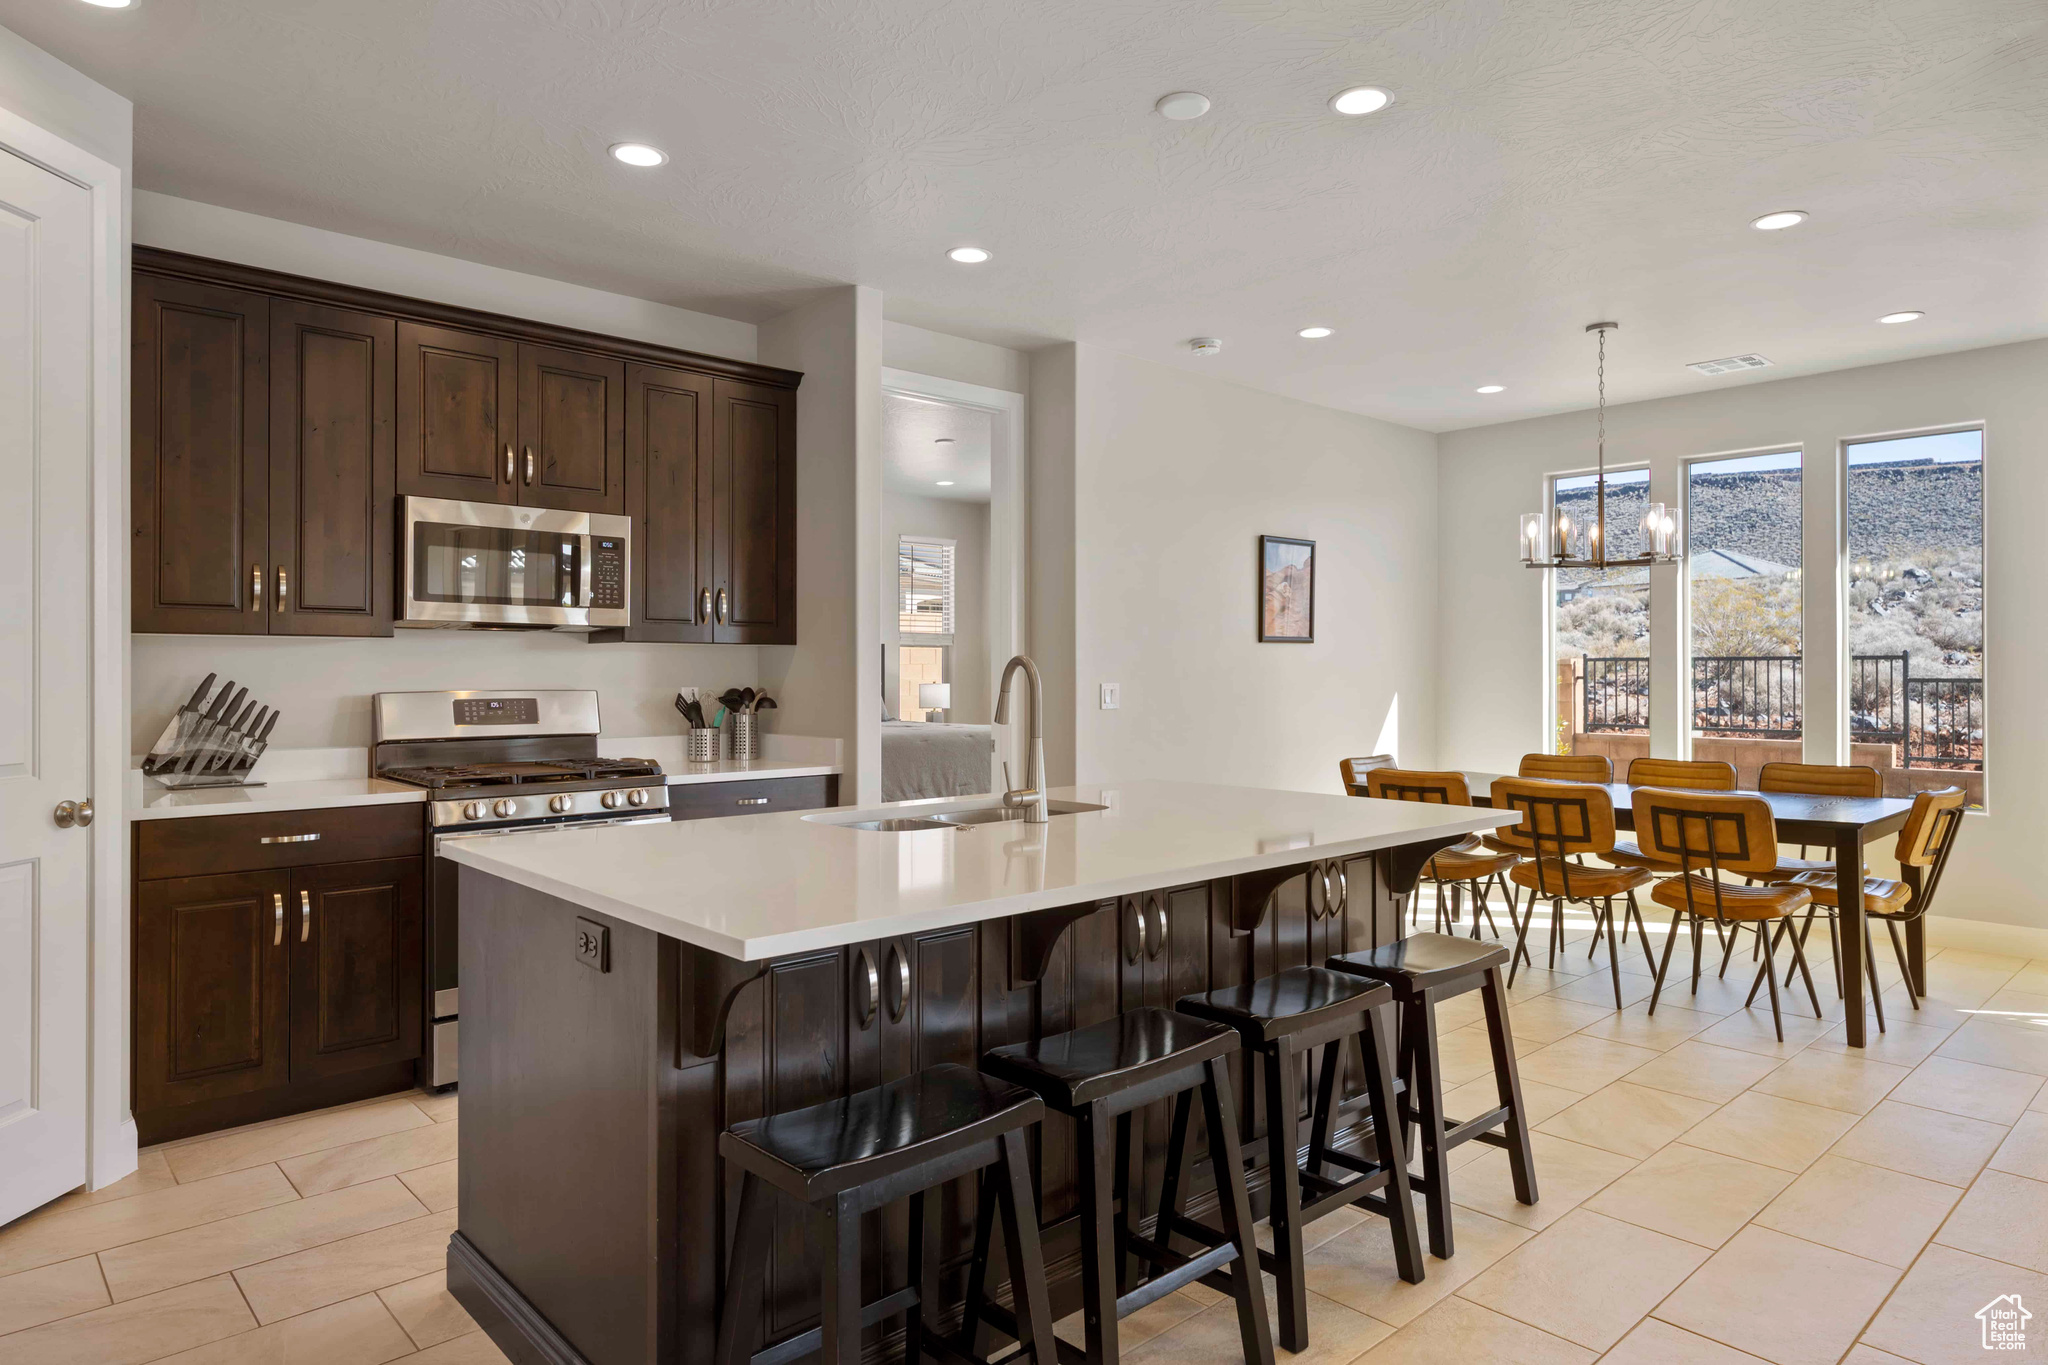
(458, 414)
(668, 493)
(332, 374)
(357, 939)
(199, 432)
(754, 491)
(211, 1018)
(572, 422)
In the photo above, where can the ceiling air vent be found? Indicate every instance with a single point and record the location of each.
(1729, 364)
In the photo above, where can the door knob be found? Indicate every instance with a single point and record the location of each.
(69, 813)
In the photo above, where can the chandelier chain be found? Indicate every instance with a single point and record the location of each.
(1601, 452)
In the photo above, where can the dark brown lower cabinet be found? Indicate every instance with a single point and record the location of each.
(272, 992)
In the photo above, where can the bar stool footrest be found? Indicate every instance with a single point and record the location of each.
(807, 1343)
(1004, 1321)
(1185, 1270)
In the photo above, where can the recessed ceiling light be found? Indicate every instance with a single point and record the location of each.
(111, 4)
(1182, 105)
(967, 255)
(1313, 333)
(1783, 218)
(944, 483)
(1910, 315)
(1490, 388)
(1360, 99)
(632, 153)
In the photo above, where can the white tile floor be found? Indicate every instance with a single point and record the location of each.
(1708, 1196)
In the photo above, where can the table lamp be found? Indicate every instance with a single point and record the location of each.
(934, 698)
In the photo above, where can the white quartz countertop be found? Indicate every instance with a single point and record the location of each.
(151, 800)
(758, 886)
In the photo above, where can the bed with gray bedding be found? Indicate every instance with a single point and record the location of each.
(923, 760)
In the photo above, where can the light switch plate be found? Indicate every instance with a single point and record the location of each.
(1112, 696)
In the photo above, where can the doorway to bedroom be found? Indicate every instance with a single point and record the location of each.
(949, 613)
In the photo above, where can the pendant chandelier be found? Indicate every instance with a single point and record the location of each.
(1563, 543)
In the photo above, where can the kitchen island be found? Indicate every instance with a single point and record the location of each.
(629, 992)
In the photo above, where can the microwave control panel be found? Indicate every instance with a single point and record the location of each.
(607, 572)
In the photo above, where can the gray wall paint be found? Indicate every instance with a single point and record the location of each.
(1491, 665)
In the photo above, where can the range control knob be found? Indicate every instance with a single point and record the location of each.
(637, 796)
(473, 811)
(611, 800)
(560, 805)
(505, 809)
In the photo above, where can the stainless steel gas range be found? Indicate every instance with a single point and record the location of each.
(499, 763)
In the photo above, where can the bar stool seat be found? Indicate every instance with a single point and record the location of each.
(849, 1156)
(1421, 970)
(1098, 1075)
(1281, 1018)
(1073, 1070)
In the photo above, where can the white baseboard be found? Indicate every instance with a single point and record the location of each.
(1983, 936)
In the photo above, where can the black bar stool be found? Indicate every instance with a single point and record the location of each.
(1281, 1017)
(1096, 1075)
(1423, 969)
(848, 1156)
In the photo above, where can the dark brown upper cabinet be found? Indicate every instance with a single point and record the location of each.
(458, 414)
(331, 513)
(277, 419)
(753, 493)
(572, 430)
(200, 430)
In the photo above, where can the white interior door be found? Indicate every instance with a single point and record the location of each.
(45, 679)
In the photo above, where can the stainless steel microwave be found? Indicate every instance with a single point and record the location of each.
(486, 565)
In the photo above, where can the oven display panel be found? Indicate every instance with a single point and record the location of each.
(497, 711)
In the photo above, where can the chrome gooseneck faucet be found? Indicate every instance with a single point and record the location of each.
(1031, 796)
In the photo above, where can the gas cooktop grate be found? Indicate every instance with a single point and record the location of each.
(524, 774)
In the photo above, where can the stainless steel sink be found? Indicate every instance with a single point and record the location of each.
(900, 824)
(996, 815)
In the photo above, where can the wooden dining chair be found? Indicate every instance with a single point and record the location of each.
(1684, 774)
(1817, 779)
(1459, 868)
(1353, 771)
(1568, 767)
(1923, 850)
(1711, 836)
(1561, 821)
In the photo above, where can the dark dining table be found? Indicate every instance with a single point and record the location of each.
(1843, 824)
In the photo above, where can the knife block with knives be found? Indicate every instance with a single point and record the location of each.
(212, 744)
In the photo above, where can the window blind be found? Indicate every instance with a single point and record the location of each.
(925, 588)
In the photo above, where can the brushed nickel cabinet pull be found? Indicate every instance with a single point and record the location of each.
(289, 839)
(529, 464)
(1138, 947)
(255, 587)
(305, 914)
(751, 801)
(283, 583)
(510, 475)
(703, 606)
(901, 1004)
(1159, 909)
(277, 929)
(872, 979)
(721, 606)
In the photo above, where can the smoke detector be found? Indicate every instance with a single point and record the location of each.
(1729, 364)
(1205, 345)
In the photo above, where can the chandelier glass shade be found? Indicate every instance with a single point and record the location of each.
(1561, 540)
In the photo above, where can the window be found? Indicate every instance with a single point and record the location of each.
(925, 613)
(1601, 639)
(1742, 555)
(925, 582)
(1916, 608)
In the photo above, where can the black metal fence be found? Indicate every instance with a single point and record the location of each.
(1935, 722)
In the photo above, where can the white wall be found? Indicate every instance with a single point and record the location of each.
(1175, 478)
(226, 234)
(949, 357)
(966, 524)
(59, 100)
(1491, 660)
(1049, 544)
(831, 685)
(324, 686)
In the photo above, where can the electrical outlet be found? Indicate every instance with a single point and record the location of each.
(593, 945)
(1112, 696)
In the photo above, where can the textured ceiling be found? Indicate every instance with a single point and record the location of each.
(923, 442)
(1547, 162)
